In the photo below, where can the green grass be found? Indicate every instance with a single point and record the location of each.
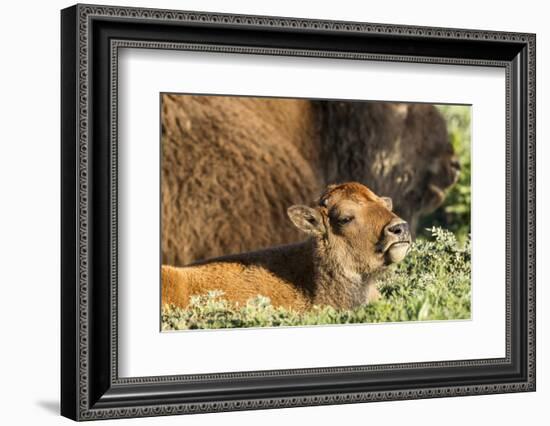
(432, 283)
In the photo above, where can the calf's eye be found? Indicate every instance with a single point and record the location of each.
(344, 220)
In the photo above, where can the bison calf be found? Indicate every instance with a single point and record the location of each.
(353, 233)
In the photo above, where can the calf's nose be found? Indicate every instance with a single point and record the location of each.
(399, 229)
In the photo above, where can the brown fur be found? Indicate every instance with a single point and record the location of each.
(231, 165)
(230, 168)
(334, 267)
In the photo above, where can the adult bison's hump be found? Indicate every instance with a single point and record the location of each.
(230, 169)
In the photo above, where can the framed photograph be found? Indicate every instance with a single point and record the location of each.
(263, 212)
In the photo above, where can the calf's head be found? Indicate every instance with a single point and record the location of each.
(354, 228)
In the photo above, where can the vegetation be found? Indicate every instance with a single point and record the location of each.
(454, 214)
(432, 283)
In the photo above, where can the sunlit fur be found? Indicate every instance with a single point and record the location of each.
(335, 266)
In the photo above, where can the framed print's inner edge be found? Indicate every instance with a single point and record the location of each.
(115, 46)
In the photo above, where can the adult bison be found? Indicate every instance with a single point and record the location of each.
(232, 165)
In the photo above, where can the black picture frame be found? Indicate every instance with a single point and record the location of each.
(90, 386)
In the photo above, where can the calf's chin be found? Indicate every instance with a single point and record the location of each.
(397, 252)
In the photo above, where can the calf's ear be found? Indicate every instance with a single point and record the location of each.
(388, 202)
(306, 219)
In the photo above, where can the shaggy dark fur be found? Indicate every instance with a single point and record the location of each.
(401, 151)
(232, 165)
